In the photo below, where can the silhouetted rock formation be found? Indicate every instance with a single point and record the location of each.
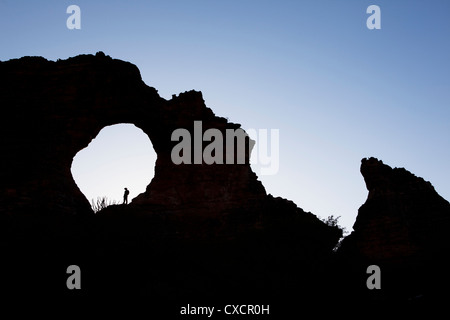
(401, 227)
(205, 231)
(54, 109)
(191, 215)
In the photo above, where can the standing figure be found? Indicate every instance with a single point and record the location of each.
(125, 196)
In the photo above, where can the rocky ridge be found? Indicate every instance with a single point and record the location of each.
(198, 229)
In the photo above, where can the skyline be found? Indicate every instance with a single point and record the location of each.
(336, 91)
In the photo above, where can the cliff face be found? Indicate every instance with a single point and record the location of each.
(401, 227)
(52, 110)
(199, 229)
(403, 215)
(213, 224)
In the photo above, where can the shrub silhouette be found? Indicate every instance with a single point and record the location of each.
(101, 203)
(334, 222)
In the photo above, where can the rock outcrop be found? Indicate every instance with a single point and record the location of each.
(402, 228)
(199, 230)
(403, 216)
(52, 110)
(199, 220)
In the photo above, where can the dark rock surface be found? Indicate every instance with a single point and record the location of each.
(52, 110)
(402, 227)
(199, 230)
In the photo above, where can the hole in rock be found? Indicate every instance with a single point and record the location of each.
(121, 156)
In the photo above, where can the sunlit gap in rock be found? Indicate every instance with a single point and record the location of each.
(121, 156)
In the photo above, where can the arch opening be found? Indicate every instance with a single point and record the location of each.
(120, 156)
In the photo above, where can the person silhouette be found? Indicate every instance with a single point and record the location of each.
(125, 196)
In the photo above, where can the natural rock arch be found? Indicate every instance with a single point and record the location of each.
(119, 156)
(65, 104)
(51, 110)
(54, 110)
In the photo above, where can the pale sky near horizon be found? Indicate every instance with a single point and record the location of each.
(336, 91)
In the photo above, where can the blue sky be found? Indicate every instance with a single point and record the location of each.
(336, 90)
